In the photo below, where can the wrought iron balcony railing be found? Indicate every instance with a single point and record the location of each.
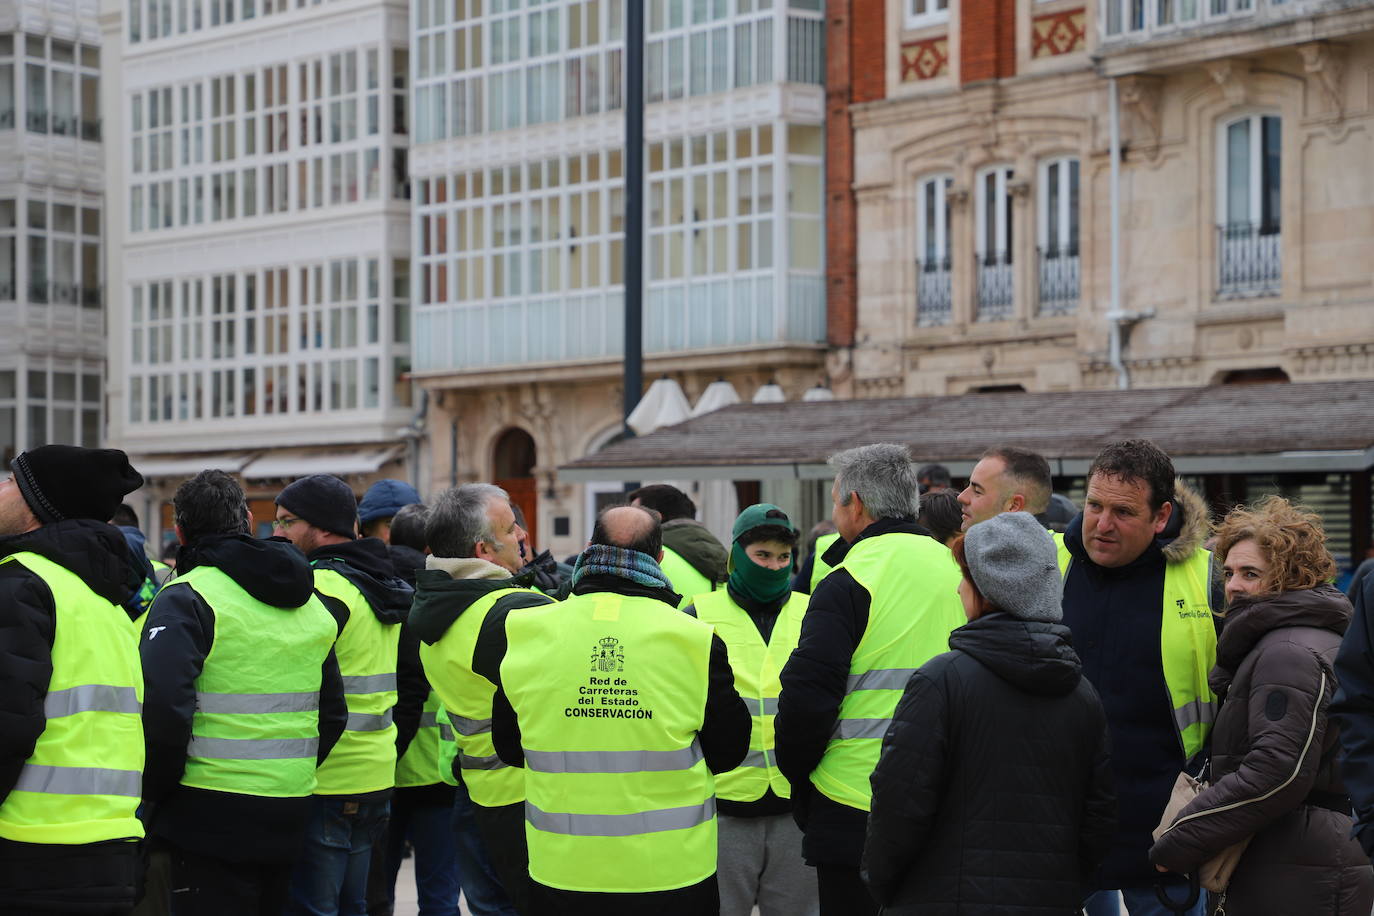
(995, 286)
(934, 302)
(1249, 260)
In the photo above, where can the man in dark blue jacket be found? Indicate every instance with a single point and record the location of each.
(1137, 597)
(1353, 709)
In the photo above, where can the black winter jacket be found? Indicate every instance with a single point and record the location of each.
(993, 793)
(1116, 615)
(177, 637)
(74, 879)
(813, 686)
(1352, 709)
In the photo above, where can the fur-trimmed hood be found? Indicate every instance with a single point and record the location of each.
(1188, 527)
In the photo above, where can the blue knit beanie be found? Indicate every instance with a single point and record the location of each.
(385, 498)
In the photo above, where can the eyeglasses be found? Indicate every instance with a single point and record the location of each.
(282, 524)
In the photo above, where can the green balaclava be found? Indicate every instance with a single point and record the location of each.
(747, 577)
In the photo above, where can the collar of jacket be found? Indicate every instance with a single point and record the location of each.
(837, 551)
(606, 582)
(467, 567)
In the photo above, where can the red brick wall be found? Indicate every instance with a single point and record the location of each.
(856, 71)
(987, 40)
(868, 49)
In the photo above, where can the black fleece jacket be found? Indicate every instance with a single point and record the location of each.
(95, 552)
(177, 637)
(724, 732)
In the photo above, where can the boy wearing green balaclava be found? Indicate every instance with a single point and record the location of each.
(758, 617)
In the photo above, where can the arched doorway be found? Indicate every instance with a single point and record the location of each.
(513, 461)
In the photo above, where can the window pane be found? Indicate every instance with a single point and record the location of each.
(1238, 172)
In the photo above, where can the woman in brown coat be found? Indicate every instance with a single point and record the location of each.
(1274, 771)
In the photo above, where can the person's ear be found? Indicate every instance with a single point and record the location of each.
(181, 535)
(1162, 517)
(659, 558)
(1017, 502)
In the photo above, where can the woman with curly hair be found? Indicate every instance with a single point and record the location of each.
(1275, 776)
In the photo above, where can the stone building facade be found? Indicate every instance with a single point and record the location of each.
(982, 186)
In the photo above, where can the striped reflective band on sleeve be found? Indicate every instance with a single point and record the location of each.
(469, 727)
(249, 703)
(369, 683)
(880, 679)
(79, 781)
(754, 759)
(445, 731)
(1193, 712)
(634, 824)
(91, 698)
(860, 728)
(492, 762)
(612, 761)
(768, 706)
(252, 748)
(428, 720)
(368, 722)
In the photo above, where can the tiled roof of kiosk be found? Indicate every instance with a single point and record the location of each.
(1300, 421)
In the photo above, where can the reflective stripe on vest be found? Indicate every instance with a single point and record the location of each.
(757, 666)
(448, 748)
(912, 582)
(256, 727)
(466, 698)
(83, 780)
(637, 823)
(819, 568)
(419, 765)
(683, 577)
(364, 760)
(91, 698)
(1187, 644)
(610, 693)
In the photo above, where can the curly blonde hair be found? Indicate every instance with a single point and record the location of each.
(1290, 537)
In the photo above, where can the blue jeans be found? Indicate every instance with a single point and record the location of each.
(481, 887)
(1142, 901)
(430, 831)
(330, 879)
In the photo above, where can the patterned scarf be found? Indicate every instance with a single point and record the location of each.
(601, 559)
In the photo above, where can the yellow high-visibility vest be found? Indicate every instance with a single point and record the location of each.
(83, 781)
(756, 665)
(912, 582)
(610, 693)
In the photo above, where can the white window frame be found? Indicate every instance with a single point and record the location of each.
(1002, 236)
(1256, 183)
(942, 247)
(1064, 217)
(917, 14)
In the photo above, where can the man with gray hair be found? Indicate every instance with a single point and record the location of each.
(888, 606)
(462, 597)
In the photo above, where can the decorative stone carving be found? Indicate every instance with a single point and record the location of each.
(1229, 76)
(1140, 95)
(1325, 62)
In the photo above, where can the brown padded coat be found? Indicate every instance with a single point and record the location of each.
(1274, 765)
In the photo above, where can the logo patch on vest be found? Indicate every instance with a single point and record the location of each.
(1200, 609)
(608, 655)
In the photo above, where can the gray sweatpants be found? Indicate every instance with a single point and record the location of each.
(760, 862)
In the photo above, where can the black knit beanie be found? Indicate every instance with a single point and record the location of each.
(67, 481)
(324, 501)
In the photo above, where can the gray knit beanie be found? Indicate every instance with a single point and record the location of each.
(1014, 563)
